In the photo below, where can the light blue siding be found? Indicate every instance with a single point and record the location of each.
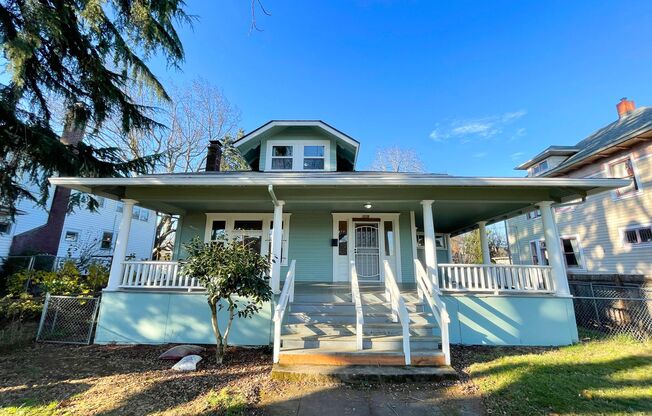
(159, 318)
(407, 262)
(310, 246)
(298, 135)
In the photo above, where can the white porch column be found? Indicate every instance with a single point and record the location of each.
(484, 243)
(554, 249)
(120, 250)
(277, 244)
(429, 241)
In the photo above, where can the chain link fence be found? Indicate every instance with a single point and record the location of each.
(68, 319)
(603, 310)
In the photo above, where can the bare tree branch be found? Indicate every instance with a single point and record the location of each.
(397, 159)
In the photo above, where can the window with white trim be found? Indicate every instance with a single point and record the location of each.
(440, 241)
(624, 169)
(313, 157)
(282, 157)
(539, 168)
(253, 230)
(533, 214)
(571, 250)
(71, 236)
(638, 235)
(106, 241)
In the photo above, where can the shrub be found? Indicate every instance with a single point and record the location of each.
(98, 276)
(23, 308)
(65, 281)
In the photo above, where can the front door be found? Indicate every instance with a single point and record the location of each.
(367, 250)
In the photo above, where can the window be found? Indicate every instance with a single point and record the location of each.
(571, 248)
(120, 206)
(534, 252)
(540, 167)
(282, 157)
(533, 214)
(389, 238)
(100, 201)
(71, 236)
(624, 169)
(343, 238)
(140, 214)
(107, 240)
(218, 230)
(313, 157)
(440, 241)
(5, 226)
(639, 235)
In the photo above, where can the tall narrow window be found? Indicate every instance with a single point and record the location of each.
(389, 238)
(534, 252)
(624, 169)
(343, 238)
(218, 230)
(282, 157)
(533, 214)
(107, 240)
(313, 157)
(572, 255)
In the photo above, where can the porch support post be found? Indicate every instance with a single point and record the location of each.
(277, 243)
(120, 250)
(553, 247)
(484, 243)
(449, 247)
(429, 241)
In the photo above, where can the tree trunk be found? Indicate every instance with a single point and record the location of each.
(219, 345)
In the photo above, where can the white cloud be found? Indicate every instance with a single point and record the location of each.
(516, 155)
(480, 155)
(485, 127)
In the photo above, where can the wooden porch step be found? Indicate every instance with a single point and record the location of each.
(355, 358)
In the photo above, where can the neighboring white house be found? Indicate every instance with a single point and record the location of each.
(83, 231)
(609, 236)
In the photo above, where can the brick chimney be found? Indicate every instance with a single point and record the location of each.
(625, 107)
(214, 156)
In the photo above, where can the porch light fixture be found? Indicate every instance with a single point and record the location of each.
(367, 205)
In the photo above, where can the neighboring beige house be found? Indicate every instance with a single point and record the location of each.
(608, 237)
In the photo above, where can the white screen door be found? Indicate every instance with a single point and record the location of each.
(367, 251)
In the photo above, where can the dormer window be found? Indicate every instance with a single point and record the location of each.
(540, 168)
(282, 157)
(313, 157)
(298, 155)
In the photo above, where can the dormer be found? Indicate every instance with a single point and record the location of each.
(546, 160)
(298, 146)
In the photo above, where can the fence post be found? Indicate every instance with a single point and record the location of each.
(595, 306)
(45, 310)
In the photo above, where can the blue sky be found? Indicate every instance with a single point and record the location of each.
(474, 87)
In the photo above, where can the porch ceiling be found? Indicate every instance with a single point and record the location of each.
(459, 202)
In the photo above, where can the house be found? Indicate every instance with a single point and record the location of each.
(56, 233)
(351, 285)
(605, 237)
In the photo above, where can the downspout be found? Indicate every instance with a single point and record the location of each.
(270, 189)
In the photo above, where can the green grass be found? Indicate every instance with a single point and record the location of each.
(607, 376)
(228, 401)
(30, 407)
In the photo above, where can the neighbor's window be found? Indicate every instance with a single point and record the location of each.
(572, 254)
(640, 235)
(440, 241)
(533, 214)
(343, 239)
(534, 252)
(119, 207)
(107, 240)
(540, 167)
(313, 157)
(624, 169)
(5, 226)
(282, 157)
(71, 236)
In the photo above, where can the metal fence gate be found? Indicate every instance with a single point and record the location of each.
(68, 319)
(612, 310)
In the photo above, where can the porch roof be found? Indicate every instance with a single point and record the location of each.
(460, 202)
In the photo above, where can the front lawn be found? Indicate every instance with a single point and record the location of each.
(609, 376)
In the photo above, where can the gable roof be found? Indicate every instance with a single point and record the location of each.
(633, 127)
(248, 143)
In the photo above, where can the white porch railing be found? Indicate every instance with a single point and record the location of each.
(399, 309)
(495, 278)
(287, 296)
(357, 300)
(156, 274)
(437, 307)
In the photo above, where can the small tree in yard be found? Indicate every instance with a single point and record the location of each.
(235, 278)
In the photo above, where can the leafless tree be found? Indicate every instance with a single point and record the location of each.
(397, 159)
(198, 113)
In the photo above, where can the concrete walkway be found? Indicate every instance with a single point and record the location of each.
(385, 399)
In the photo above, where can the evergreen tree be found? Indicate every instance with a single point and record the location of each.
(84, 54)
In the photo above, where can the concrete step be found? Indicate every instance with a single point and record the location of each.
(348, 342)
(362, 374)
(324, 356)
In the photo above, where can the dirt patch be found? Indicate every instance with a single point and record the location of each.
(117, 380)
